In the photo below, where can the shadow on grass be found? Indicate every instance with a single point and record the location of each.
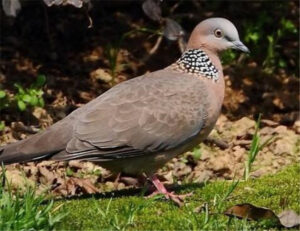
(133, 192)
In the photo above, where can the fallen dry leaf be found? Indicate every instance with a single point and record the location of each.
(242, 126)
(74, 186)
(287, 219)
(47, 176)
(84, 184)
(173, 31)
(101, 74)
(250, 212)
(130, 180)
(296, 126)
(268, 123)
(152, 9)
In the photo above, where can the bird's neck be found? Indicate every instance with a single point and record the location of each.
(198, 62)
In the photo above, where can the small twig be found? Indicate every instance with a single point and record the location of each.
(243, 143)
(57, 208)
(20, 127)
(219, 143)
(153, 49)
(181, 44)
(47, 25)
(156, 46)
(89, 17)
(173, 8)
(197, 4)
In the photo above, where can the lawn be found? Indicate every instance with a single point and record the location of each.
(127, 210)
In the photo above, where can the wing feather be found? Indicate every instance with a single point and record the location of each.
(140, 116)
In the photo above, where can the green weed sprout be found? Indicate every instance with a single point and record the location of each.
(256, 146)
(32, 96)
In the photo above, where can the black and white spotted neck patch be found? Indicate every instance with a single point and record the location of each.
(197, 61)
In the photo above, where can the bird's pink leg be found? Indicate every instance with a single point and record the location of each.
(160, 189)
(158, 185)
(117, 180)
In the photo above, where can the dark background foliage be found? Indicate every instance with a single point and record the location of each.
(68, 44)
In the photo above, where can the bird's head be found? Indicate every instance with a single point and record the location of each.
(216, 35)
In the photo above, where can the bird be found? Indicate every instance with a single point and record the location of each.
(140, 124)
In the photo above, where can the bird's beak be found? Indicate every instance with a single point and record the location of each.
(238, 45)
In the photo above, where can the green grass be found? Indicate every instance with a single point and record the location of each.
(26, 210)
(256, 146)
(127, 210)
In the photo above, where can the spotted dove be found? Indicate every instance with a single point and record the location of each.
(140, 124)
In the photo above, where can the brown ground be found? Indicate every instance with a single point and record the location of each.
(74, 60)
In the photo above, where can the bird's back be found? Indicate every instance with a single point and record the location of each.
(150, 113)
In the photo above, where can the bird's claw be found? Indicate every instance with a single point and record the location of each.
(177, 199)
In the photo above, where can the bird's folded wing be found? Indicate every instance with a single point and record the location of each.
(140, 116)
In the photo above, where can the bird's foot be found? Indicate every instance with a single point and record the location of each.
(177, 199)
(160, 189)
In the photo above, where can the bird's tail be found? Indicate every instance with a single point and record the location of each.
(14, 153)
(37, 147)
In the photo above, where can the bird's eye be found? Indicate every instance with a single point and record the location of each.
(218, 33)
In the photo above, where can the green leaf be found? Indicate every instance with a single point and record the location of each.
(2, 125)
(20, 88)
(21, 105)
(34, 100)
(41, 102)
(270, 39)
(26, 98)
(40, 81)
(282, 63)
(39, 93)
(69, 172)
(228, 57)
(2, 94)
(31, 91)
(197, 153)
(288, 26)
(254, 37)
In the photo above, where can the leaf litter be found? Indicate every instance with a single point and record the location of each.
(206, 162)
